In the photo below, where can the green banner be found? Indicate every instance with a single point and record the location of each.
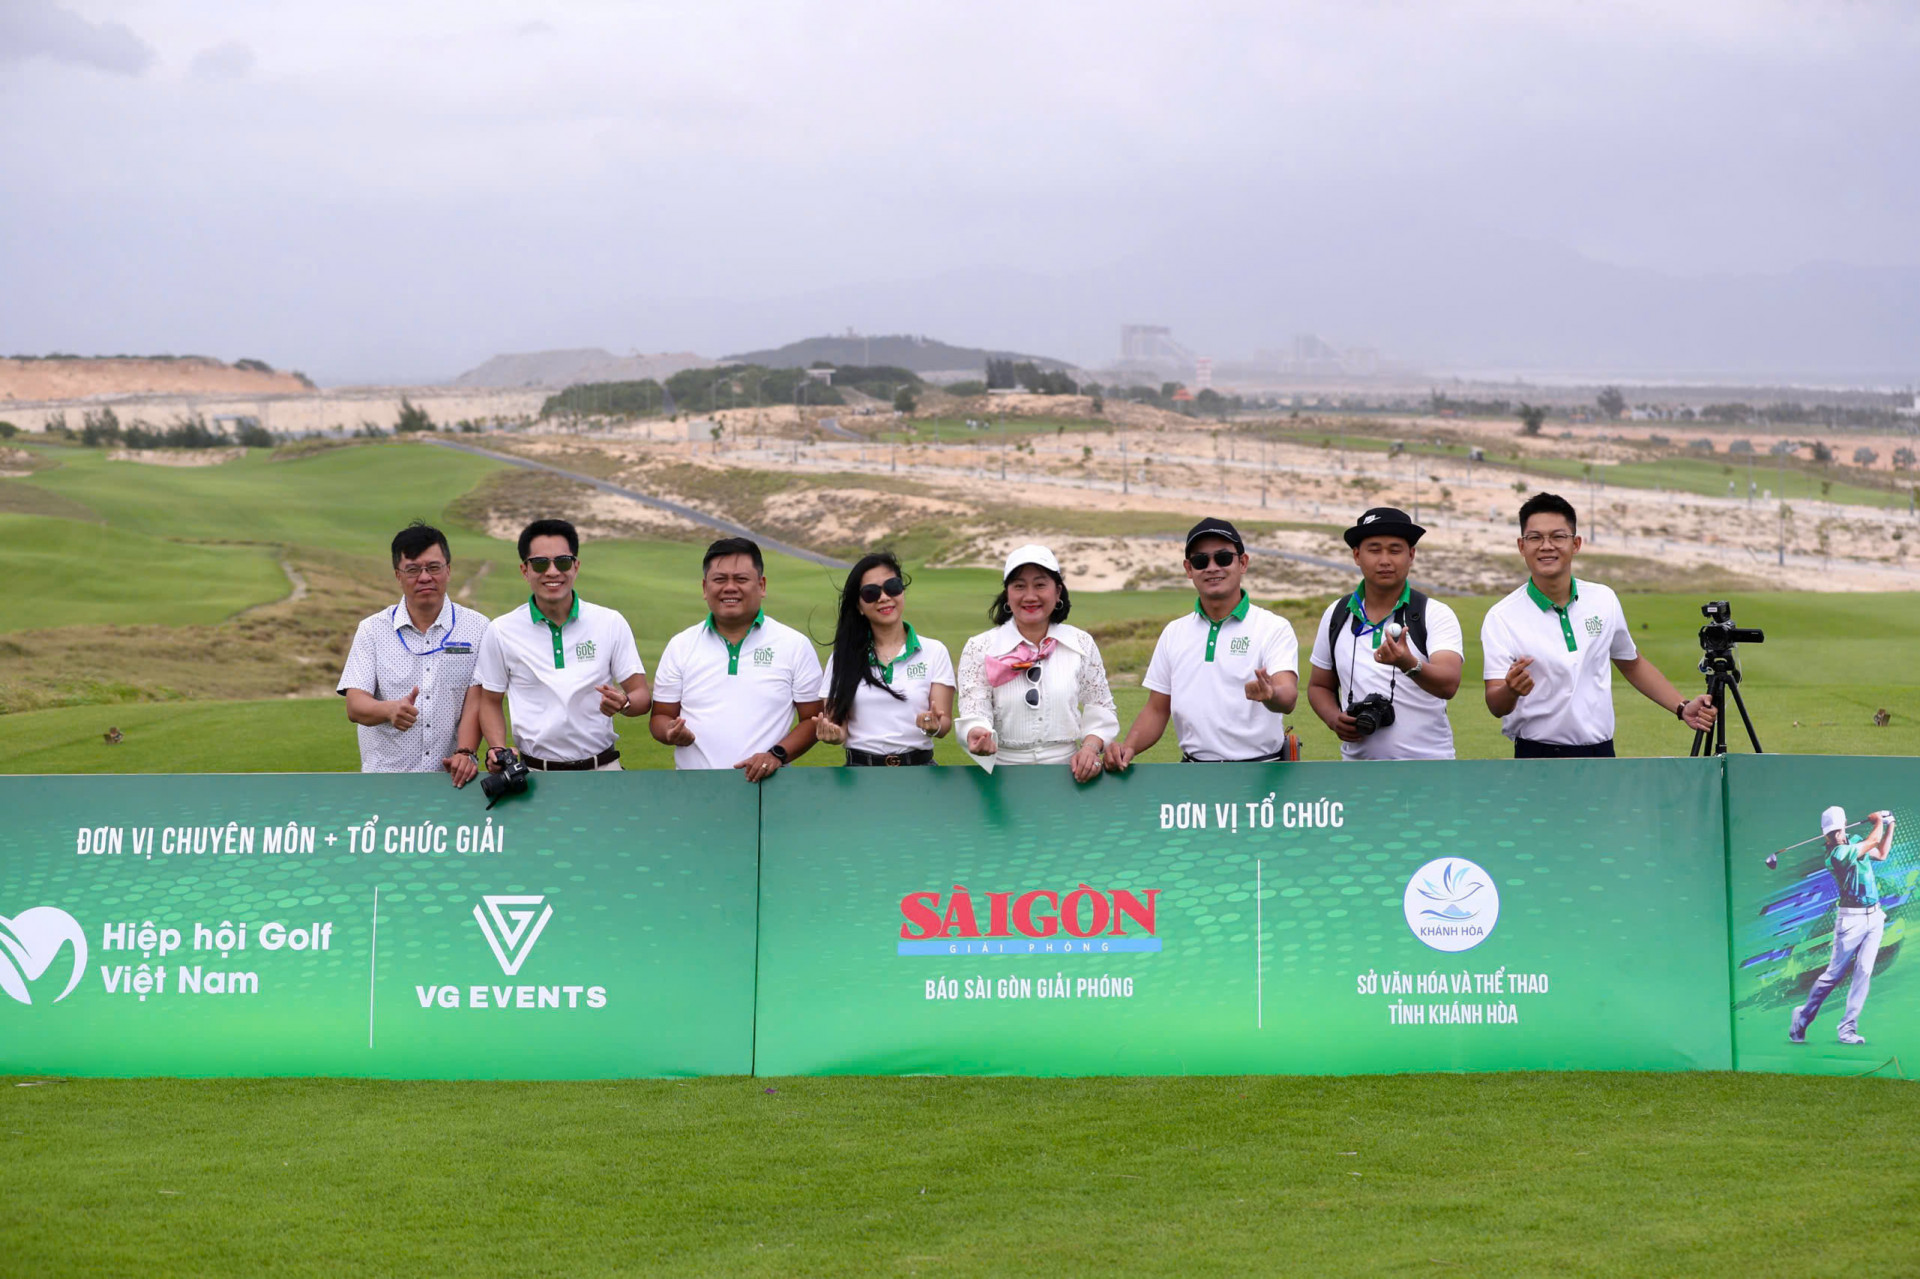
(1789, 927)
(601, 925)
(1287, 918)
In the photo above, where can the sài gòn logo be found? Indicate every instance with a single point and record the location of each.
(583, 650)
(1084, 921)
(1241, 644)
(29, 943)
(1451, 904)
(763, 656)
(510, 927)
(1595, 626)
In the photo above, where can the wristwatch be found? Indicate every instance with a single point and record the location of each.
(1418, 666)
(779, 752)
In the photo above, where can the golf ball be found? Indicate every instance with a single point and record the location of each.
(1395, 630)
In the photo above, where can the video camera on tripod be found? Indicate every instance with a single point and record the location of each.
(1717, 662)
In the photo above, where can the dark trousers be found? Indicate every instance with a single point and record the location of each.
(1524, 749)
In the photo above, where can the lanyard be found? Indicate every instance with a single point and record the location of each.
(454, 620)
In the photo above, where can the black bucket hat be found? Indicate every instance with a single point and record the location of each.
(1384, 521)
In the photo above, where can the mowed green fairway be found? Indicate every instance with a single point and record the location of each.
(191, 545)
(57, 572)
(1523, 1174)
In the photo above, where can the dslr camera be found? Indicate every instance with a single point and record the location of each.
(1371, 713)
(510, 780)
(1719, 635)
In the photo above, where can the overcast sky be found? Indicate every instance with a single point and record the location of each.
(399, 189)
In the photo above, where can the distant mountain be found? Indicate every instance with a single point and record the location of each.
(569, 368)
(900, 351)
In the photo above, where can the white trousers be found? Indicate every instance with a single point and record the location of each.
(1856, 945)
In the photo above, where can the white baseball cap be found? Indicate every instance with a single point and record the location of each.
(1032, 553)
(1834, 819)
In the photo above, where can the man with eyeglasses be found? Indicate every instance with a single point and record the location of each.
(409, 674)
(1551, 648)
(1225, 674)
(1388, 652)
(568, 666)
(732, 686)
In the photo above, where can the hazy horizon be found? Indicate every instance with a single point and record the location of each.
(379, 194)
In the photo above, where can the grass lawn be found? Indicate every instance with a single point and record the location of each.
(182, 546)
(108, 574)
(1572, 1174)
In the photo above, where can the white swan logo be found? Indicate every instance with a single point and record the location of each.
(31, 941)
(1451, 904)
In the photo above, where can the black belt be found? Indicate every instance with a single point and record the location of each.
(605, 757)
(1527, 748)
(867, 759)
(1258, 759)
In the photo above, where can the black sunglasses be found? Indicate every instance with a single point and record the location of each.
(1223, 558)
(539, 563)
(871, 593)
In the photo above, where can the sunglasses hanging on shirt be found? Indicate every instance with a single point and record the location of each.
(871, 592)
(1200, 559)
(1033, 678)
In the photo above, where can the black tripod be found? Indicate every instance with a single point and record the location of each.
(1723, 677)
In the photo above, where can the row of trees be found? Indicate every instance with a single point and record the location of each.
(1010, 374)
(102, 429)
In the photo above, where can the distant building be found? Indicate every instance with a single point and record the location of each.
(1203, 371)
(822, 375)
(1912, 410)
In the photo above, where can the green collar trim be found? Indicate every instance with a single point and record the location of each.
(733, 649)
(1239, 614)
(886, 668)
(573, 615)
(1358, 609)
(1539, 597)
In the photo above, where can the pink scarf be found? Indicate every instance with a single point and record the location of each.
(1003, 670)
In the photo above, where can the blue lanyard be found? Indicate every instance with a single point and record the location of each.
(1359, 610)
(393, 614)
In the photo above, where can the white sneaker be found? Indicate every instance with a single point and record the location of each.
(1848, 1037)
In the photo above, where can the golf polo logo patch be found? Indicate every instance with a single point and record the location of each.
(1241, 645)
(29, 944)
(1595, 626)
(1451, 904)
(509, 926)
(763, 656)
(917, 671)
(583, 650)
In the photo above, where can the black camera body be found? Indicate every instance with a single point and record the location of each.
(1719, 635)
(1371, 713)
(510, 780)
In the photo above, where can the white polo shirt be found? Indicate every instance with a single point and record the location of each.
(551, 675)
(1204, 666)
(1420, 728)
(882, 724)
(1573, 652)
(737, 698)
(389, 658)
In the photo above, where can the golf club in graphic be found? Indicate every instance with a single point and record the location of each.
(1773, 858)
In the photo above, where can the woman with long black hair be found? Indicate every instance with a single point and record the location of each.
(889, 689)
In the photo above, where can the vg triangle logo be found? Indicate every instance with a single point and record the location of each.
(31, 941)
(509, 924)
(1451, 904)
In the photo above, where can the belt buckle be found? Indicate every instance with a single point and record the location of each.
(893, 761)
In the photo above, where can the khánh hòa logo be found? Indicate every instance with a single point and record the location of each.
(1451, 904)
(1082, 921)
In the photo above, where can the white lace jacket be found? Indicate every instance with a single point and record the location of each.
(1074, 697)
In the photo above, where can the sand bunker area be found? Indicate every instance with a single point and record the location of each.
(1111, 504)
(176, 457)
